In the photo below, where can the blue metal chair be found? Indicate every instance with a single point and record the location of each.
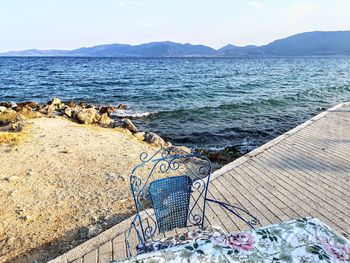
(170, 191)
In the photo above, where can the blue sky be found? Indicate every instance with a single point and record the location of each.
(68, 24)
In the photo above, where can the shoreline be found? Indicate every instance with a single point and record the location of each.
(106, 116)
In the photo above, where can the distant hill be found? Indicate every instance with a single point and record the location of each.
(303, 44)
(311, 43)
(153, 49)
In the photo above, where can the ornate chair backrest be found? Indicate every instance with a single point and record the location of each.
(174, 184)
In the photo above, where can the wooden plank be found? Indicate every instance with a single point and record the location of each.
(105, 252)
(119, 247)
(308, 201)
(309, 165)
(314, 180)
(91, 257)
(227, 197)
(333, 158)
(244, 198)
(223, 214)
(251, 193)
(276, 197)
(266, 197)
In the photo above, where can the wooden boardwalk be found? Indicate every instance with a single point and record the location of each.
(304, 172)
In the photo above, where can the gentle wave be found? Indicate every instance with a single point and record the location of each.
(131, 114)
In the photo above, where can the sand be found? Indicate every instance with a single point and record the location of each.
(61, 184)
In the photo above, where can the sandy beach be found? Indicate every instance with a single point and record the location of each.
(62, 183)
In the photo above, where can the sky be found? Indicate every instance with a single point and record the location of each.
(69, 24)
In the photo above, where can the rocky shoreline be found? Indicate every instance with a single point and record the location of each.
(12, 116)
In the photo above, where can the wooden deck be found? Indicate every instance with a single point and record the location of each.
(304, 172)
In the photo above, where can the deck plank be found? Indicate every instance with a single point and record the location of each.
(118, 247)
(105, 253)
(91, 257)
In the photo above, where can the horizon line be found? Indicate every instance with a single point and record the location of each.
(163, 41)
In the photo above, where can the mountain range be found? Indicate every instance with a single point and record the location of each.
(303, 44)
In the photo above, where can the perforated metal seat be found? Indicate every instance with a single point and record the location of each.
(171, 199)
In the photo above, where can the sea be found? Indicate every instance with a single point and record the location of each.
(225, 106)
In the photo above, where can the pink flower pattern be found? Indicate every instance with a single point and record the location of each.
(340, 252)
(243, 241)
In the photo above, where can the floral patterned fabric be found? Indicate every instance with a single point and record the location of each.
(184, 238)
(304, 240)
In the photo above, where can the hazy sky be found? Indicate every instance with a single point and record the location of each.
(68, 24)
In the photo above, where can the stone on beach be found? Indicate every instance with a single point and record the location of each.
(127, 124)
(122, 107)
(8, 115)
(86, 116)
(48, 109)
(30, 104)
(29, 113)
(12, 127)
(54, 101)
(104, 120)
(107, 109)
(2, 109)
(154, 139)
(67, 111)
(140, 136)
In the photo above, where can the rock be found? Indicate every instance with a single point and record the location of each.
(16, 126)
(168, 145)
(127, 124)
(6, 128)
(8, 115)
(180, 149)
(82, 104)
(2, 109)
(122, 107)
(6, 104)
(140, 136)
(61, 106)
(29, 113)
(54, 101)
(107, 109)
(48, 109)
(86, 116)
(104, 120)
(154, 139)
(67, 111)
(116, 124)
(71, 104)
(30, 104)
(12, 127)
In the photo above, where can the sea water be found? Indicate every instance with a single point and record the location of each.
(207, 103)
